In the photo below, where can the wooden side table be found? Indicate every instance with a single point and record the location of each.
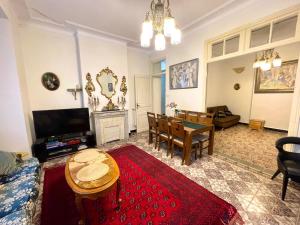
(256, 124)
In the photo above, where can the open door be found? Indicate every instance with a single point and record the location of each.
(143, 101)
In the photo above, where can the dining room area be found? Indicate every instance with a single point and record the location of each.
(188, 133)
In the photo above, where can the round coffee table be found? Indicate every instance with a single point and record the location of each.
(94, 189)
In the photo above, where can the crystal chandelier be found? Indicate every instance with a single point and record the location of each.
(159, 21)
(267, 60)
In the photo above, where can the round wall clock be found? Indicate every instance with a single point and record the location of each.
(50, 81)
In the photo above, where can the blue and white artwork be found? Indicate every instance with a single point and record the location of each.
(184, 75)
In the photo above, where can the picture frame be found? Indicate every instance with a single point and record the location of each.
(277, 80)
(184, 75)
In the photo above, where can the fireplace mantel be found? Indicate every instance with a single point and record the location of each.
(110, 126)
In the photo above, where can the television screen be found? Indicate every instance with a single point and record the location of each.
(49, 123)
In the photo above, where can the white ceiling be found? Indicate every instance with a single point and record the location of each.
(119, 18)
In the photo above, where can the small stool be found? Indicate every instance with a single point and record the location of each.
(255, 124)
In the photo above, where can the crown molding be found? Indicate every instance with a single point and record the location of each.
(38, 18)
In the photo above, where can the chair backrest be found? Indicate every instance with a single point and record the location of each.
(180, 114)
(160, 116)
(205, 118)
(151, 114)
(163, 125)
(286, 140)
(192, 117)
(177, 130)
(176, 119)
(152, 121)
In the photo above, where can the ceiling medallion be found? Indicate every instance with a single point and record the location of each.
(159, 21)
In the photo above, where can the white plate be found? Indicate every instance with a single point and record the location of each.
(92, 172)
(86, 155)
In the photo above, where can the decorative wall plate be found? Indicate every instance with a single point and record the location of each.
(50, 81)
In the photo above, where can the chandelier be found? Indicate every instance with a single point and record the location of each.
(159, 21)
(268, 59)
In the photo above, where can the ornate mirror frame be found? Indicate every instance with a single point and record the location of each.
(107, 72)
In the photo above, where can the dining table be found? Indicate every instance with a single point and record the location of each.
(192, 129)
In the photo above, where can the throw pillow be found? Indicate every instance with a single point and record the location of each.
(221, 114)
(8, 163)
(228, 113)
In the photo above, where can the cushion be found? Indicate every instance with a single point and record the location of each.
(18, 194)
(17, 218)
(28, 167)
(220, 114)
(228, 113)
(8, 163)
(228, 118)
(202, 137)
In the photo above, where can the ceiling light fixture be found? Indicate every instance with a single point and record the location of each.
(159, 21)
(267, 59)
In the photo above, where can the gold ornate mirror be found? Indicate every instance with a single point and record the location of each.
(108, 82)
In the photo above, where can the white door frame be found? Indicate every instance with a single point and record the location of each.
(294, 120)
(155, 75)
(135, 95)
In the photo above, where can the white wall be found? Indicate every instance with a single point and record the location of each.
(193, 44)
(13, 133)
(97, 53)
(274, 108)
(220, 81)
(49, 50)
(138, 64)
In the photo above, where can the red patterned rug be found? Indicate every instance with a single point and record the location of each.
(152, 193)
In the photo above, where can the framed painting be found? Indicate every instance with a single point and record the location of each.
(277, 80)
(184, 75)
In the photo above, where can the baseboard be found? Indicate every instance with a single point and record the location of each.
(268, 128)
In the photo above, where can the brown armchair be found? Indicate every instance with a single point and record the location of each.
(224, 122)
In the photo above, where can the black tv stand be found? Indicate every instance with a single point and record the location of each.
(53, 147)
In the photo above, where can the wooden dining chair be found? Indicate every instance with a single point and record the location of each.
(176, 119)
(181, 114)
(164, 134)
(152, 127)
(151, 114)
(192, 117)
(178, 139)
(205, 119)
(161, 116)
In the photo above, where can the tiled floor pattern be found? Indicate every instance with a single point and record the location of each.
(256, 197)
(255, 149)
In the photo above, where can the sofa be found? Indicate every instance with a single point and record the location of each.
(223, 118)
(18, 193)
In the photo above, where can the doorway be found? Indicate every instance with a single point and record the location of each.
(159, 87)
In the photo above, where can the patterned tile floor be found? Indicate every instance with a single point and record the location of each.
(256, 197)
(255, 149)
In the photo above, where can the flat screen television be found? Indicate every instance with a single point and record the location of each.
(59, 122)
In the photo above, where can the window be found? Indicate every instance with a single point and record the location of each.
(232, 44)
(284, 29)
(260, 36)
(217, 49)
